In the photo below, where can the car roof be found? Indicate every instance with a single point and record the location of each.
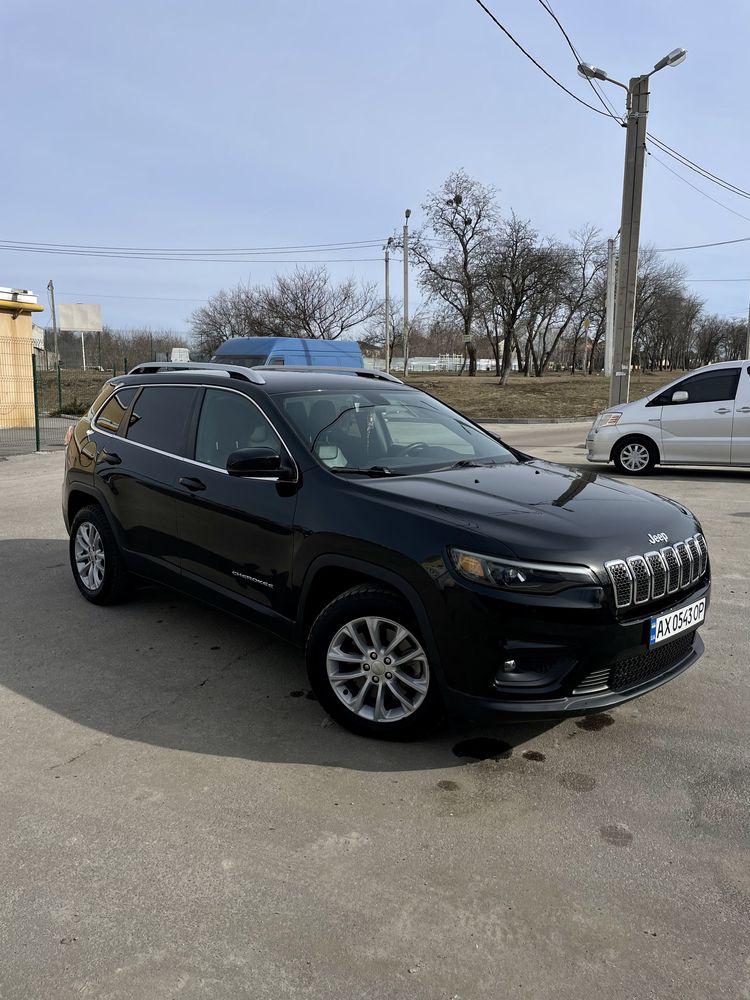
(271, 380)
(255, 345)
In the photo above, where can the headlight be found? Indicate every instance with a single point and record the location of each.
(520, 577)
(607, 420)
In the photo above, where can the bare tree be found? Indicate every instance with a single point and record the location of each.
(452, 248)
(510, 274)
(307, 303)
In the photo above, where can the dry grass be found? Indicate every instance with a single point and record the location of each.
(78, 390)
(550, 397)
(554, 396)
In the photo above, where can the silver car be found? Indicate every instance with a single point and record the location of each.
(700, 419)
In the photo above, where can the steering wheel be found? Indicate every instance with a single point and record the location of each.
(417, 446)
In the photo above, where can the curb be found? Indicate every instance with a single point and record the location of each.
(532, 420)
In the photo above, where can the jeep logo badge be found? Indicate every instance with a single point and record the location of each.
(661, 537)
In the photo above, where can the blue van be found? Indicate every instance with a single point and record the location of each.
(254, 351)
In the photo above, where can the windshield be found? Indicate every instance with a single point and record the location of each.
(247, 360)
(383, 431)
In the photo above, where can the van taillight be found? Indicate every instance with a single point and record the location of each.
(69, 435)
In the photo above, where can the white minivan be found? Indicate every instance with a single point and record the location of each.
(700, 419)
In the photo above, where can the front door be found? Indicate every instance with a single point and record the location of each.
(699, 430)
(741, 425)
(236, 534)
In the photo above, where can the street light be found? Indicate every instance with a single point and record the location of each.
(630, 221)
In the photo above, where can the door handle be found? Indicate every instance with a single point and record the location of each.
(109, 457)
(722, 409)
(194, 485)
(744, 409)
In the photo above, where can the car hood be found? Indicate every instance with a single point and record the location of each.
(542, 511)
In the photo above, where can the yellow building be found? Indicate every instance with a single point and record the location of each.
(16, 350)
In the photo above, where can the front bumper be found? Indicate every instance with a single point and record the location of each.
(570, 658)
(599, 443)
(542, 709)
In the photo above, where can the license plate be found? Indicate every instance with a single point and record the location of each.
(667, 626)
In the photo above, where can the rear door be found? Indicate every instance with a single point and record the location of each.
(142, 470)
(699, 431)
(236, 533)
(741, 425)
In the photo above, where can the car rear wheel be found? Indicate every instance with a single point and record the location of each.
(95, 559)
(368, 666)
(635, 456)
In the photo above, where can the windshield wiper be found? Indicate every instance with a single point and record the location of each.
(370, 470)
(467, 463)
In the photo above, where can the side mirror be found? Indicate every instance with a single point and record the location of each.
(680, 396)
(259, 463)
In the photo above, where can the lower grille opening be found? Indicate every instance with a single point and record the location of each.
(645, 666)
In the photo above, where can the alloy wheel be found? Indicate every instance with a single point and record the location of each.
(378, 669)
(89, 556)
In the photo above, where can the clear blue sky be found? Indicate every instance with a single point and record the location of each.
(232, 123)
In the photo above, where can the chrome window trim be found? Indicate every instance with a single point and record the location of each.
(192, 461)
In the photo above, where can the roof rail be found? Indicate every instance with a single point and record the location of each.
(332, 370)
(234, 371)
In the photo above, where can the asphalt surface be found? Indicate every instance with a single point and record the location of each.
(179, 820)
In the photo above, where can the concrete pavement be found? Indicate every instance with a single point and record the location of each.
(180, 821)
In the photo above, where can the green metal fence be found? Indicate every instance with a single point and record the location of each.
(38, 399)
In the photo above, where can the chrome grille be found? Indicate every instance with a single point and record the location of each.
(622, 582)
(658, 573)
(673, 569)
(686, 562)
(695, 554)
(703, 549)
(643, 578)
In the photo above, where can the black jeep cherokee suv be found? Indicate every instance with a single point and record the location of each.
(423, 564)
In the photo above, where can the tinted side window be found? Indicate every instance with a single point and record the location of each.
(230, 421)
(709, 387)
(111, 415)
(160, 417)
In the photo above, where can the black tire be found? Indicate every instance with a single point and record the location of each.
(360, 602)
(115, 582)
(626, 452)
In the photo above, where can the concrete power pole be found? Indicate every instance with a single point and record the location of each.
(630, 228)
(388, 306)
(407, 213)
(51, 290)
(747, 344)
(609, 327)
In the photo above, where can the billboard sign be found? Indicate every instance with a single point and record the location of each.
(79, 317)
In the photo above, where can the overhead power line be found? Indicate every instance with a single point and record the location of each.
(701, 246)
(600, 95)
(700, 191)
(201, 260)
(675, 154)
(538, 65)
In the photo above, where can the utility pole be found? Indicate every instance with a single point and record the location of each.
(630, 224)
(51, 290)
(388, 305)
(83, 349)
(747, 344)
(407, 213)
(609, 314)
(630, 229)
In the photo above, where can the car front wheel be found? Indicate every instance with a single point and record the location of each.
(635, 456)
(368, 666)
